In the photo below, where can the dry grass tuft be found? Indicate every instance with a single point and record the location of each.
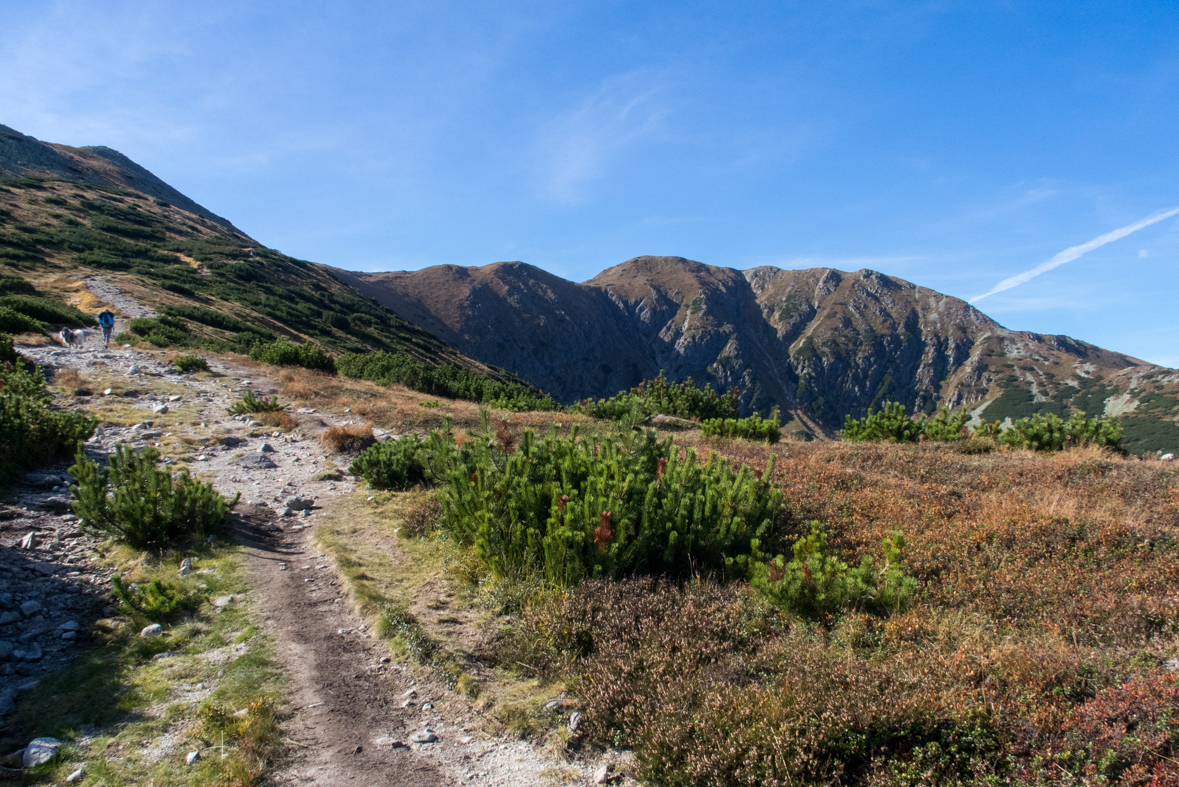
(280, 420)
(72, 381)
(347, 438)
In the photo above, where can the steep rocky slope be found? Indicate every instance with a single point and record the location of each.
(819, 343)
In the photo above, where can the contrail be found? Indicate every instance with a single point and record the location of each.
(1071, 253)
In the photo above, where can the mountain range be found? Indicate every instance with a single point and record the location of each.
(817, 344)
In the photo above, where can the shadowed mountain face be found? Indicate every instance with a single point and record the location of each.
(819, 343)
(99, 166)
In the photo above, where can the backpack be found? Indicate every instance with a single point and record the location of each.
(106, 319)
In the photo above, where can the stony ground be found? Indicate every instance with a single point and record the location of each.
(356, 715)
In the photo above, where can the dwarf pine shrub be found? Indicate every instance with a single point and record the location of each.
(660, 397)
(155, 602)
(393, 464)
(567, 508)
(31, 430)
(817, 585)
(284, 352)
(191, 363)
(1050, 433)
(752, 428)
(447, 379)
(249, 403)
(891, 424)
(143, 505)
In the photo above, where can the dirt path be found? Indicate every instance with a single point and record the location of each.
(348, 717)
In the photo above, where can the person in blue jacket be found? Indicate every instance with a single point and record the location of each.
(106, 321)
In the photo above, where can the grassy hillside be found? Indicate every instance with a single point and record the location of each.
(214, 286)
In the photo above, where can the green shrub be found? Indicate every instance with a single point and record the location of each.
(1050, 433)
(141, 504)
(283, 352)
(449, 380)
(15, 285)
(814, 584)
(660, 397)
(250, 403)
(393, 464)
(12, 321)
(191, 363)
(47, 310)
(891, 424)
(160, 331)
(155, 602)
(751, 428)
(567, 508)
(31, 430)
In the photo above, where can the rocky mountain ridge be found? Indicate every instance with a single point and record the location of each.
(818, 343)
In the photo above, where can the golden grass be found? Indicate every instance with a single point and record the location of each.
(347, 438)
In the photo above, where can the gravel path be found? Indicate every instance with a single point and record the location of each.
(350, 715)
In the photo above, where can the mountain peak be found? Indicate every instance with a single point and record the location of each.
(97, 165)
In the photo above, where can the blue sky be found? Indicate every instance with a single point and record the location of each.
(952, 144)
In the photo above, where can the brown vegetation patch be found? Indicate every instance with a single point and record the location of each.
(348, 438)
(72, 381)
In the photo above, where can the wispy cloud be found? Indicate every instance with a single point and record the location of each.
(1073, 252)
(577, 145)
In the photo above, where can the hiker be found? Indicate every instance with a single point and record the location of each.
(106, 321)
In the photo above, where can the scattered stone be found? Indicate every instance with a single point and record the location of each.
(9, 616)
(222, 601)
(191, 757)
(399, 745)
(186, 567)
(273, 528)
(40, 751)
(108, 391)
(425, 736)
(427, 706)
(1167, 457)
(266, 448)
(69, 625)
(133, 370)
(602, 774)
(574, 722)
(232, 442)
(174, 398)
(286, 512)
(202, 458)
(30, 652)
(256, 461)
(29, 541)
(670, 422)
(160, 409)
(1172, 664)
(7, 702)
(30, 608)
(6, 649)
(299, 503)
(76, 776)
(154, 630)
(552, 705)
(253, 424)
(306, 410)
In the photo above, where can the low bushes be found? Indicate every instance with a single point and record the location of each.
(1038, 433)
(143, 505)
(284, 352)
(31, 430)
(817, 585)
(191, 363)
(566, 508)
(660, 397)
(752, 428)
(1050, 433)
(453, 382)
(891, 424)
(12, 321)
(393, 464)
(249, 403)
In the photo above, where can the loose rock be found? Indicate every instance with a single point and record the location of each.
(40, 751)
(154, 630)
(255, 461)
